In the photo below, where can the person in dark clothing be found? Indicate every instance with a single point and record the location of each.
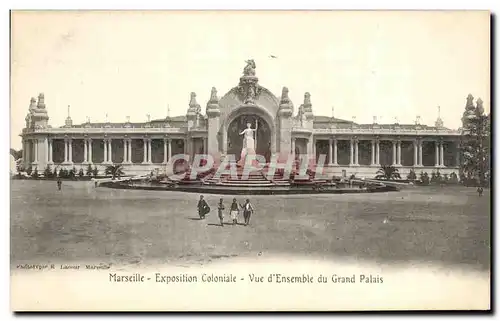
(221, 211)
(234, 211)
(59, 183)
(203, 208)
(247, 211)
(480, 191)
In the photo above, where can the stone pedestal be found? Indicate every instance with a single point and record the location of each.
(285, 133)
(213, 148)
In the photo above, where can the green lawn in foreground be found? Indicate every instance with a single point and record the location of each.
(449, 225)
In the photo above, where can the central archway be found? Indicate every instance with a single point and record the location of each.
(263, 135)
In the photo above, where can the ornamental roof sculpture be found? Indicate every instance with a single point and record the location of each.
(248, 89)
(249, 69)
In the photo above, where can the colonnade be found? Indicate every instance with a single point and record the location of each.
(32, 148)
(375, 151)
(38, 150)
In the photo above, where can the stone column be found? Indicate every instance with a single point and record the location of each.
(165, 155)
(145, 149)
(351, 156)
(27, 161)
(330, 151)
(89, 154)
(457, 155)
(335, 152)
(377, 153)
(110, 151)
(293, 147)
(309, 147)
(70, 150)
(415, 153)
(437, 154)
(65, 151)
(224, 141)
(356, 152)
(399, 152)
(36, 151)
(46, 144)
(105, 141)
(314, 148)
(129, 150)
(373, 153)
(394, 152)
(169, 149)
(441, 154)
(149, 151)
(85, 150)
(420, 161)
(125, 151)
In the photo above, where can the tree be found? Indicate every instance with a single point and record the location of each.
(81, 173)
(436, 177)
(72, 173)
(388, 172)
(95, 171)
(35, 173)
(114, 171)
(424, 178)
(412, 175)
(453, 178)
(47, 172)
(20, 168)
(16, 153)
(89, 170)
(475, 143)
(29, 170)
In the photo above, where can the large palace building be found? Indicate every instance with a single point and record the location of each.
(350, 148)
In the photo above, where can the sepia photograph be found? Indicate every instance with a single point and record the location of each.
(250, 160)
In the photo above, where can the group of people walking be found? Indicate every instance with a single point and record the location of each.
(234, 210)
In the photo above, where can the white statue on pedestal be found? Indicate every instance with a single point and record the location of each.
(248, 140)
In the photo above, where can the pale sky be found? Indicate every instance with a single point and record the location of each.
(362, 63)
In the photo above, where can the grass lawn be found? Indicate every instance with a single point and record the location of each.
(448, 225)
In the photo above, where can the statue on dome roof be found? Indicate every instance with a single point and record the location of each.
(249, 69)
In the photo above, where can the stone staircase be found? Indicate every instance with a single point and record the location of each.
(254, 179)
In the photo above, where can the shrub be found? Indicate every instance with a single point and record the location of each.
(47, 172)
(95, 172)
(424, 178)
(412, 175)
(89, 170)
(72, 173)
(388, 172)
(453, 178)
(35, 173)
(63, 173)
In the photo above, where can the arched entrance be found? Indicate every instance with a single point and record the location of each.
(263, 135)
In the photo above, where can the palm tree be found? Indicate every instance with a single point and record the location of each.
(388, 172)
(114, 171)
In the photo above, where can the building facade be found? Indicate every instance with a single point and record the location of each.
(347, 147)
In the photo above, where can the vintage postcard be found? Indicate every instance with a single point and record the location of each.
(250, 160)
